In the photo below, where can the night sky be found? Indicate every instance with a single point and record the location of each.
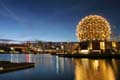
(52, 20)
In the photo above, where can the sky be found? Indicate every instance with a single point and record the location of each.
(52, 20)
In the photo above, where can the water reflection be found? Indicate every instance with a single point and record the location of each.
(48, 67)
(28, 57)
(47, 60)
(25, 58)
(95, 69)
(59, 65)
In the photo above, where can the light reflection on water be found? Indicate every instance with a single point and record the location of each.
(95, 69)
(49, 67)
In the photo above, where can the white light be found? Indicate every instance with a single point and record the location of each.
(84, 51)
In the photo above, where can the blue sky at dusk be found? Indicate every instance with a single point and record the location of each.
(52, 20)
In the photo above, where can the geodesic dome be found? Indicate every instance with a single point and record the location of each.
(93, 27)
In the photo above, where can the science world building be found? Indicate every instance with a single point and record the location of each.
(93, 33)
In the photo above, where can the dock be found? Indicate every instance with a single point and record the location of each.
(6, 66)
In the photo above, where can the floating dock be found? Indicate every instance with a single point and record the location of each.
(6, 66)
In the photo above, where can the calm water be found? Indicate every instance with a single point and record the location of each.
(49, 67)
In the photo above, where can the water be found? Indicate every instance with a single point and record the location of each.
(49, 67)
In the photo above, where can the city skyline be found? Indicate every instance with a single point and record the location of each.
(52, 20)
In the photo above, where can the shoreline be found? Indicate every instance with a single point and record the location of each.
(92, 56)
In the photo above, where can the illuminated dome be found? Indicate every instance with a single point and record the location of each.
(93, 27)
